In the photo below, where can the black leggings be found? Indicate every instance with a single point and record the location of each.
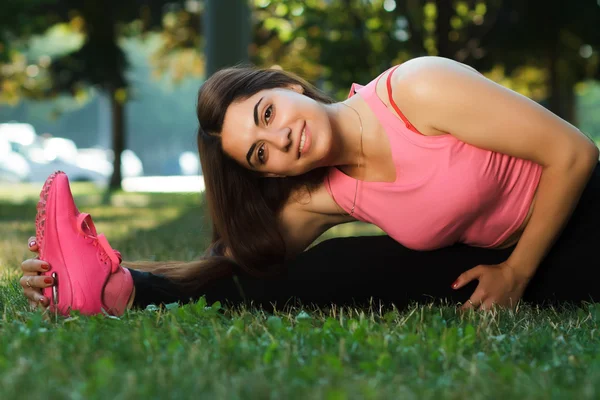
(358, 270)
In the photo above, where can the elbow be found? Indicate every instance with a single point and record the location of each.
(587, 158)
(580, 162)
(594, 153)
(582, 159)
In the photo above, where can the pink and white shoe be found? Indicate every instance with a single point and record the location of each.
(86, 270)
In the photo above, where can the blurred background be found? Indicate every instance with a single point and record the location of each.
(84, 80)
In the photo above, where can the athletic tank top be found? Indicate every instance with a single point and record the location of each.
(446, 191)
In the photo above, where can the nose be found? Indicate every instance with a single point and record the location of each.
(280, 138)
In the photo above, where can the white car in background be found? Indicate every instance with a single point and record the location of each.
(13, 166)
(43, 156)
(101, 160)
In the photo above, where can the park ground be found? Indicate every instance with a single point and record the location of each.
(212, 351)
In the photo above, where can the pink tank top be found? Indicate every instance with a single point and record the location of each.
(446, 191)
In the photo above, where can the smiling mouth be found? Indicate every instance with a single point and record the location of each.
(302, 141)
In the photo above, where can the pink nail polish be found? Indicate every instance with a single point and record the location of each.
(32, 243)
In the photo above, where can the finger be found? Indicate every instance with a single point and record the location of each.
(36, 282)
(487, 306)
(33, 265)
(34, 296)
(468, 305)
(32, 244)
(468, 276)
(34, 305)
(474, 302)
(471, 305)
(43, 302)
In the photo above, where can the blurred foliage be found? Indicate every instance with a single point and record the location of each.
(559, 37)
(65, 45)
(25, 56)
(546, 50)
(588, 104)
(99, 61)
(179, 54)
(331, 43)
(336, 42)
(47, 61)
(539, 48)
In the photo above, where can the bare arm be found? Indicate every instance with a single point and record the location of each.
(487, 115)
(303, 220)
(299, 228)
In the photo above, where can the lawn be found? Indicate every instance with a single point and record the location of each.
(207, 351)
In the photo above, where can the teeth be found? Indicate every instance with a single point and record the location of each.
(302, 141)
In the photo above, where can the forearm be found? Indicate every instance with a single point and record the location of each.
(559, 190)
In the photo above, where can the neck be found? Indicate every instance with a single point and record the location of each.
(346, 135)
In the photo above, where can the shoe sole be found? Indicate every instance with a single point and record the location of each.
(56, 268)
(40, 217)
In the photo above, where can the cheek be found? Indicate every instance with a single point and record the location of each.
(322, 138)
(278, 163)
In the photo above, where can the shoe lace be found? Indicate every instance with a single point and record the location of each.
(86, 228)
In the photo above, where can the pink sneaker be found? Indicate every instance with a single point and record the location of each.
(87, 272)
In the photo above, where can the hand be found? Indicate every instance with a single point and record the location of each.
(498, 285)
(32, 282)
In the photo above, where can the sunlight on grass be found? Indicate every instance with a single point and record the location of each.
(23, 192)
(124, 221)
(425, 351)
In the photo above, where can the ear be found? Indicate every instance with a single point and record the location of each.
(272, 175)
(297, 88)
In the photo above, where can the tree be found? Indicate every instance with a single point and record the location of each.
(557, 39)
(337, 42)
(331, 43)
(543, 48)
(227, 33)
(100, 61)
(559, 36)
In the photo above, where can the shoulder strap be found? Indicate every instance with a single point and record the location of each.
(354, 89)
(393, 103)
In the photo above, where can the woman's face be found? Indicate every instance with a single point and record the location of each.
(277, 132)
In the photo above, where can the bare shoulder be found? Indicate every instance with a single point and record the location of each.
(418, 81)
(441, 96)
(418, 72)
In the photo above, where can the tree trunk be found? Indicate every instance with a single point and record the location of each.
(561, 84)
(227, 33)
(553, 81)
(442, 29)
(118, 138)
(568, 100)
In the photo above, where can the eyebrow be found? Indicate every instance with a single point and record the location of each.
(251, 150)
(256, 111)
(249, 154)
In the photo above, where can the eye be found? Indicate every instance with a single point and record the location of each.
(268, 114)
(260, 154)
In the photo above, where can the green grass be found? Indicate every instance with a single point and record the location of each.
(206, 351)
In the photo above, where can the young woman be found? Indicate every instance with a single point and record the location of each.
(430, 151)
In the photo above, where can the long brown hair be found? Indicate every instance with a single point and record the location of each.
(243, 206)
